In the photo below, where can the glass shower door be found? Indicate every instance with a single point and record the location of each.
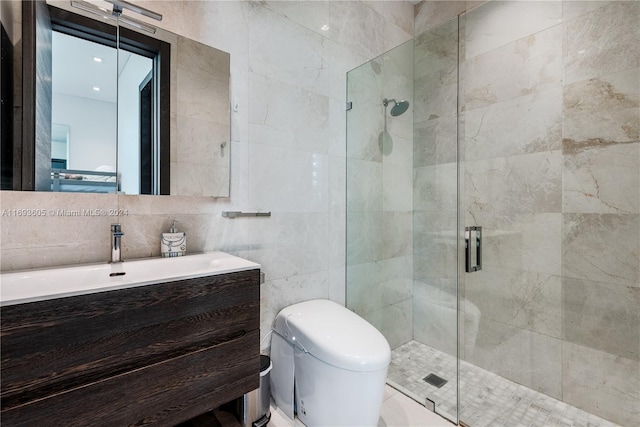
(379, 196)
(434, 349)
(402, 245)
(550, 159)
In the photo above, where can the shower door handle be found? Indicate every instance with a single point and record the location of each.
(473, 248)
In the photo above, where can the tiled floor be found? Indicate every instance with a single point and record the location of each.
(397, 411)
(486, 399)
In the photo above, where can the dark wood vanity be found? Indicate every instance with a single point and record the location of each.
(156, 354)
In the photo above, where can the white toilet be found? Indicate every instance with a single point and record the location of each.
(337, 361)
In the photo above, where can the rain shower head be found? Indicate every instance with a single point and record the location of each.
(399, 107)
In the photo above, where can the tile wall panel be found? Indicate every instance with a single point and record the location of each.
(288, 79)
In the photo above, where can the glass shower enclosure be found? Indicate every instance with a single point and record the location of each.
(402, 201)
(493, 225)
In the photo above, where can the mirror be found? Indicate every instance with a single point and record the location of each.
(203, 125)
(166, 130)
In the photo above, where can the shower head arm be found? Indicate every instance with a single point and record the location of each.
(386, 102)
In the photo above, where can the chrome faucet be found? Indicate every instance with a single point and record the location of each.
(116, 244)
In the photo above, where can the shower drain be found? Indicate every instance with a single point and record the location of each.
(435, 380)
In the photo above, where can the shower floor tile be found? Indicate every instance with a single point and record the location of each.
(486, 399)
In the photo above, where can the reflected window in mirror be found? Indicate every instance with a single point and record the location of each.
(84, 97)
(108, 92)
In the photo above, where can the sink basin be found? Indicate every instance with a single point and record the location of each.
(42, 284)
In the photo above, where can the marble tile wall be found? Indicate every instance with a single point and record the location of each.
(288, 78)
(601, 221)
(550, 113)
(379, 197)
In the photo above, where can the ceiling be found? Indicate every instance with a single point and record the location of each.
(76, 73)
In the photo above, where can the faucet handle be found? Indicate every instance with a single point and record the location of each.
(117, 229)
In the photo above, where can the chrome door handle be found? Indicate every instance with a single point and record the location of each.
(473, 248)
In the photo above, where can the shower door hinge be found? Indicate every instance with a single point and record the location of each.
(348, 106)
(473, 249)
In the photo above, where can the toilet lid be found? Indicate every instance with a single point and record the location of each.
(338, 336)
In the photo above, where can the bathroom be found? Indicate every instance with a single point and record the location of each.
(294, 64)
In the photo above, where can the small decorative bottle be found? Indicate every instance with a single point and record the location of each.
(174, 243)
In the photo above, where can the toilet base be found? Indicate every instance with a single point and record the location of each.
(329, 396)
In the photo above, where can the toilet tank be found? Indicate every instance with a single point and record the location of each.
(334, 335)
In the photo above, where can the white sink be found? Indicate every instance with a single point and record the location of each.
(42, 284)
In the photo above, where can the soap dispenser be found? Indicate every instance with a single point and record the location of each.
(173, 243)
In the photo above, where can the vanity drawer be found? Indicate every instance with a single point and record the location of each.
(163, 394)
(56, 347)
